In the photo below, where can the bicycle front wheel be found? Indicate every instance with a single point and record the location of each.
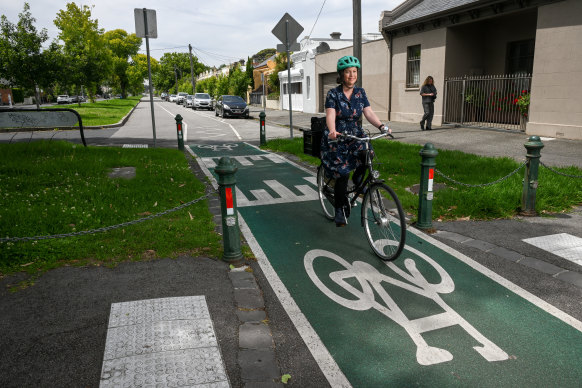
(325, 192)
(384, 221)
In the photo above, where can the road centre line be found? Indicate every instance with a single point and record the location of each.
(183, 122)
(220, 121)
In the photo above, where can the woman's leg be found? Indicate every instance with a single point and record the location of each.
(426, 108)
(430, 115)
(340, 189)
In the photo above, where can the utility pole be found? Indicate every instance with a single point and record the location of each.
(192, 70)
(357, 6)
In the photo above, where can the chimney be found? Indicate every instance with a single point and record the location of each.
(335, 35)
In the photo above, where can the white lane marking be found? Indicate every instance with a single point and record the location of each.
(220, 121)
(320, 353)
(185, 133)
(562, 244)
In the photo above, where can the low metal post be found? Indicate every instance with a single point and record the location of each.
(230, 229)
(180, 131)
(262, 116)
(425, 193)
(530, 182)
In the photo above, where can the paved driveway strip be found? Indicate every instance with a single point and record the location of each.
(434, 317)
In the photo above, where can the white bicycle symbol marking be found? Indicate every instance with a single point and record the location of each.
(370, 280)
(215, 147)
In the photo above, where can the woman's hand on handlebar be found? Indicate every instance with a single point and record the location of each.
(333, 135)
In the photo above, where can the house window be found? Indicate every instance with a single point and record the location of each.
(520, 56)
(295, 88)
(413, 67)
(308, 83)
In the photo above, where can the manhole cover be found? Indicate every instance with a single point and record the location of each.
(122, 172)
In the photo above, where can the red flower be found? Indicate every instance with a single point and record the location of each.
(499, 108)
(524, 91)
(515, 101)
(493, 104)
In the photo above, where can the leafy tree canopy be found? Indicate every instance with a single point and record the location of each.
(122, 46)
(263, 54)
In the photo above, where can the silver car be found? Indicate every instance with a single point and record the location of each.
(181, 97)
(202, 101)
(188, 101)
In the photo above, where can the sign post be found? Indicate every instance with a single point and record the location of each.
(287, 31)
(146, 27)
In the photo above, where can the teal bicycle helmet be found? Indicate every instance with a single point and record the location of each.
(347, 61)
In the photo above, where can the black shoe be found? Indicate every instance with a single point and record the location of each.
(422, 126)
(428, 128)
(340, 217)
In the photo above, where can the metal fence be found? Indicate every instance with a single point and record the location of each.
(256, 98)
(486, 101)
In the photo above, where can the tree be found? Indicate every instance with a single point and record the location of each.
(123, 46)
(249, 73)
(238, 83)
(21, 60)
(263, 54)
(90, 60)
(137, 71)
(280, 65)
(172, 64)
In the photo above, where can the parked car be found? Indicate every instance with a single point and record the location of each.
(172, 98)
(231, 106)
(188, 101)
(180, 98)
(63, 99)
(163, 96)
(202, 101)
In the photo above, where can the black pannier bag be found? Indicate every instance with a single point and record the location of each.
(312, 138)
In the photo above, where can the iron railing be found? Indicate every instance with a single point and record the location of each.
(486, 101)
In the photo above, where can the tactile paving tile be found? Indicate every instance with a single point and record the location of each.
(168, 342)
(153, 310)
(563, 244)
(183, 368)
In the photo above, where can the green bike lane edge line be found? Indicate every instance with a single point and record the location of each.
(280, 281)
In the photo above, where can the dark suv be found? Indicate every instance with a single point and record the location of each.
(231, 106)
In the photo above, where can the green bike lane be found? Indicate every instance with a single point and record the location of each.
(433, 317)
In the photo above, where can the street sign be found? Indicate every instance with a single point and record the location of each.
(140, 23)
(294, 29)
(292, 47)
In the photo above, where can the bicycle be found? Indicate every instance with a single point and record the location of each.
(382, 216)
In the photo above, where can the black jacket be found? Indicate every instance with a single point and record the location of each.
(428, 89)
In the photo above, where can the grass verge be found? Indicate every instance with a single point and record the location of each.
(399, 166)
(49, 188)
(104, 112)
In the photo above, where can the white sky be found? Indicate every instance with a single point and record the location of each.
(220, 31)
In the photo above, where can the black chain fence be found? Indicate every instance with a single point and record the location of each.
(107, 228)
(481, 184)
(558, 172)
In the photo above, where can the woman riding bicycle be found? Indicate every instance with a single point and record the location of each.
(344, 106)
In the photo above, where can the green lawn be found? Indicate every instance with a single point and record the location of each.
(104, 112)
(49, 188)
(399, 165)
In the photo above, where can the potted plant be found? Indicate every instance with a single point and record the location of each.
(522, 103)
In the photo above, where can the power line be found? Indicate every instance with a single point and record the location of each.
(316, 19)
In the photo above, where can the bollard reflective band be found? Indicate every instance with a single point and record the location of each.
(430, 178)
(179, 127)
(229, 202)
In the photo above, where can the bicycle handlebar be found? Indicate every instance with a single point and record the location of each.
(367, 138)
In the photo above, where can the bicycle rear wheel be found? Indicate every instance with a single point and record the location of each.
(325, 194)
(384, 221)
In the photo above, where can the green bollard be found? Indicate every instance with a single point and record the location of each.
(425, 193)
(530, 182)
(230, 230)
(178, 119)
(262, 116)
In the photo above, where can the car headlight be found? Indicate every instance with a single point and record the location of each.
(226, 106)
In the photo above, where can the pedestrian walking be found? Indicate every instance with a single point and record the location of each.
(429, 94)
(344, 106)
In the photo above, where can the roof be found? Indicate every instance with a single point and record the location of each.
(411, 10)
(264, 63)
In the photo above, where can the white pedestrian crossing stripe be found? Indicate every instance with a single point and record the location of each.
(563, 244)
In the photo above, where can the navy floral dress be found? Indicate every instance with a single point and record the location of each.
(342, 156)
